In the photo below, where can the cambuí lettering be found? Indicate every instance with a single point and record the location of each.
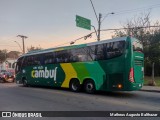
(44, 73)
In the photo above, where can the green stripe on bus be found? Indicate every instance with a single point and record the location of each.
(81, 70)
(96, 73)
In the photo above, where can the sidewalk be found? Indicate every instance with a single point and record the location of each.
(151, 89)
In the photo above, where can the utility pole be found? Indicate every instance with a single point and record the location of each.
(99, 26)
(99, 20)
(153, 83)
(23, 37)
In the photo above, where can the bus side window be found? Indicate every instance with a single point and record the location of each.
(118, 48)
(30, 61)
(37, 60)
(41, 59)
(115, 49)
(74, 55)
(49, 58)
(58, 57)
(110, 50)
(89, 53)
(92, 52)
(121, 46)
(24, 62)
(100, 54)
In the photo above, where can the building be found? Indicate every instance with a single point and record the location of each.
(8, 65)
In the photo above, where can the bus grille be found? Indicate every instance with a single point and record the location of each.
(138, 62)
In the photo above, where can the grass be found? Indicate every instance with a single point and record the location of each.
(149, 78)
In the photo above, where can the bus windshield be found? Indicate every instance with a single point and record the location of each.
(137, 46)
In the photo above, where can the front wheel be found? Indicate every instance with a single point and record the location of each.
(25, 83)
(89, 87)
(75, 85)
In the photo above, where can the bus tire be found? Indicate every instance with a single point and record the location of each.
(74, 85)
(25, 83)
(89, 86)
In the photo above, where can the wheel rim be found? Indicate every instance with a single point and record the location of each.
(89, 87)
(75, 86)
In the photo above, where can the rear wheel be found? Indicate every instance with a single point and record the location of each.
(89, 87)
(75, 85)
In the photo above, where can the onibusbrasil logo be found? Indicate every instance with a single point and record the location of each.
(44, 73)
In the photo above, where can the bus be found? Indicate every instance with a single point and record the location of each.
(109, 65)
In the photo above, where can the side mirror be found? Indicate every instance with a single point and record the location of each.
(14, 65)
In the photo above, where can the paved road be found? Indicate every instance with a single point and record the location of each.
(15, 97)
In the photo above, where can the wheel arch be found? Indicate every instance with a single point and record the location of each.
(74, 79)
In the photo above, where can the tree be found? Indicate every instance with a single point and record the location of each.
(140, 28)
(137, 26)
(13, 54)
(3, 55)
(32, 48)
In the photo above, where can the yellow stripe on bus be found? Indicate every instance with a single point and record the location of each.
(69, 73)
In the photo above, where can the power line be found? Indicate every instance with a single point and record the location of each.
(129, 28)
(73, 41)
(94, 10)
(137, 9)
(90, 34)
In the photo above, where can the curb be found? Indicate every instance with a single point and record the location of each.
(150, 90)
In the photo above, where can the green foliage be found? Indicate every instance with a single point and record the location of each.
(32, 48)
(3, 55)
(152, 52)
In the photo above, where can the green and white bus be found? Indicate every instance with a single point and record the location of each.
(109, 65)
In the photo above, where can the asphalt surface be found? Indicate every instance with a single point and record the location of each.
(15, 97)
(151, 89)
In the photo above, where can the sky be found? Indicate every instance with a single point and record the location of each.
(51, 23)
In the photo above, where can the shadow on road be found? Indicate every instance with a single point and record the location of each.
(116, 94)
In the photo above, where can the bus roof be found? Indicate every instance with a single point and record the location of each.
(73, 46)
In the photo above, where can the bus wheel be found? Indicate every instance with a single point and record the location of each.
(25, 83)
(74, 85)
(89, 86)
